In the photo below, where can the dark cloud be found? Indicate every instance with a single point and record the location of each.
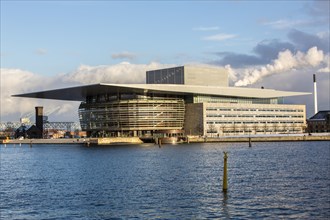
(264, 53)
(303, 41)
(268, 50)
(319, 8)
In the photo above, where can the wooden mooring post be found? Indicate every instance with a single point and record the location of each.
(225, 177)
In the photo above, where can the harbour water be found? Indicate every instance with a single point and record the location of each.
(282, 180)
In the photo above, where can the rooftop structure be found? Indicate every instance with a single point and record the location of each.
(189, 75)
(80, 93)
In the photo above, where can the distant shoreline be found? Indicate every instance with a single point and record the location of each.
(190, 139)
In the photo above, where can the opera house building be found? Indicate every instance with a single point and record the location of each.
(189, 100)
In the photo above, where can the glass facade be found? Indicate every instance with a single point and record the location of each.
(128, 112)
(242, 100)
(166, 76)
(134, 114)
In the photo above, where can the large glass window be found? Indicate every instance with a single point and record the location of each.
(166, 76)
(226, 99)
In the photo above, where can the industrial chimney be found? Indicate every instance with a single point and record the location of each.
(315, 94)
(39, 120)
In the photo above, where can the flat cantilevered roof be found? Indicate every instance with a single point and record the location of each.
(80, 93)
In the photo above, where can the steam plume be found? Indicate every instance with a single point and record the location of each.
(284, 62)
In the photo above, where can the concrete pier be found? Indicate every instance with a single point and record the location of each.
(91, 141)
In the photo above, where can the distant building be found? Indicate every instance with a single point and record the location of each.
(34, 131)
(320, 122)
(30, 132)
(192, 99)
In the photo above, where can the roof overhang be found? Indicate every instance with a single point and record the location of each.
(80, 93)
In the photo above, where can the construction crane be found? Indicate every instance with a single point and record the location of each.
(49, 112)
(25, 119)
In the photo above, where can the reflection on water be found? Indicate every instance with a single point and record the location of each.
(224, 205)
(269, 180)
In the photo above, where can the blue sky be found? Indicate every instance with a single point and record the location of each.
(57, 38)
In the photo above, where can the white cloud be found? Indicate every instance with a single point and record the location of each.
(41, 51)
(219, 37)
(119, 73)
(326, 67)
(124, 55)
(323, 34)
(213, 28)
(324, 70)
(17, 81)
(286, 24)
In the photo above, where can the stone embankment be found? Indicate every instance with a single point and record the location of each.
(189, 139)
(262, 138)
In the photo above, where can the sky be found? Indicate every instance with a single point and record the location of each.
(56, 44)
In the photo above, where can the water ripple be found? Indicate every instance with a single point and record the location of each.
(268, 181)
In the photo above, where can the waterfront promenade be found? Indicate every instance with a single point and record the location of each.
(189, 139)
(264, 138)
